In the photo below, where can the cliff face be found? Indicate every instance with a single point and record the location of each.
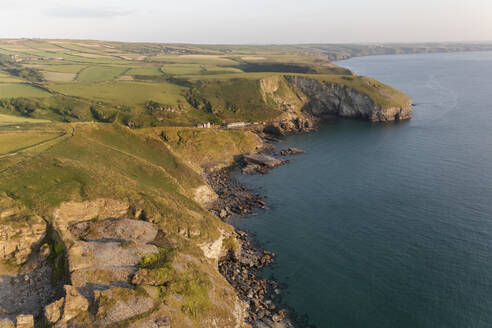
(331, 99)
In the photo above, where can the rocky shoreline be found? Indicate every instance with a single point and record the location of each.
(242, 267)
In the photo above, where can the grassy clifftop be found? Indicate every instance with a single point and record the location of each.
(61, 171)
(206, 148)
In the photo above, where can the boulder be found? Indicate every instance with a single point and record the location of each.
(116, 230)
(19, 237)
(118, 304)
(263, 160)
(74, 303)
(53, 311)
(108, 253)
(6, 323)
(291, 151)
(25, 321)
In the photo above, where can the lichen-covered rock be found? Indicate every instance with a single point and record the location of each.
(106, 252)
(53, 311)
(116, 230)
(19, 236)
(6, 323)
(156, 320)
(118, 304)
(74, 304)
(25, 321)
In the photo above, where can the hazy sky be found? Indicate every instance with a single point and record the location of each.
(249, 21)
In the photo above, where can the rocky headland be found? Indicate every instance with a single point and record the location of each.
(121, 228)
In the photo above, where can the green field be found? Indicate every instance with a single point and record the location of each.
(5, 78)
(125, 93)
(100, 73)
(12, 90)
(16, 141)
(68, 68)
(6, 119)
(145, 70)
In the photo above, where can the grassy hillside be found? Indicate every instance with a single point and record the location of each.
(206, 148)
(45, 166)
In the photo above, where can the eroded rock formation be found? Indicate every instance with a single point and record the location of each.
(331, 99)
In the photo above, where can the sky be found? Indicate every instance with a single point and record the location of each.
(249, 21)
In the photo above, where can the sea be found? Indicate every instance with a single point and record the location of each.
(389, 224)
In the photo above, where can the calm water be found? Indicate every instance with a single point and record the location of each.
(390, 225)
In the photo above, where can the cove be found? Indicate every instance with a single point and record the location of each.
(390, 225)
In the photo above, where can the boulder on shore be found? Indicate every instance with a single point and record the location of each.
(259, 163)
(291, 151)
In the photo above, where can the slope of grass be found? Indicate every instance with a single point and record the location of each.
(145, 70)
(11, 90)
(110, 161)
(59, 68)
(58, 77)
(100, 73)
(207, 147)
(16, 141)
(234, 99)
(125, 92)
(6, 119)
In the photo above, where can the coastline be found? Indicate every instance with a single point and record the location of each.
(242, 266)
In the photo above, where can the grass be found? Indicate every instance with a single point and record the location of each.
(145, 70)
(183, 69)
(217, 60)
(16, 141)
(100, 73)
(125, 92)
(66, 68)
(235, 99)
(12, 90)
(207, 147)
(10, 119)
(58, 77)
(109, 161)
(5, 78)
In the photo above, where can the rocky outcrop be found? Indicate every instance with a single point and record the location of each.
(331, 99)
(292, 124)
(60, 312)
(118, 304)
(259, 163)
(19, 236)
(106, 253)
(291, 151)
(27, 258)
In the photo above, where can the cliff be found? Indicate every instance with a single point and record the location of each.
(352, 97)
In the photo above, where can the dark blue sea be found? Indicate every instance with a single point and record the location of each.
(390, 225)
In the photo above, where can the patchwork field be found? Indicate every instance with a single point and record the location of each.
(152, 84)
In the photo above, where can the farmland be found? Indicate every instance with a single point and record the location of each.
(74, 81)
